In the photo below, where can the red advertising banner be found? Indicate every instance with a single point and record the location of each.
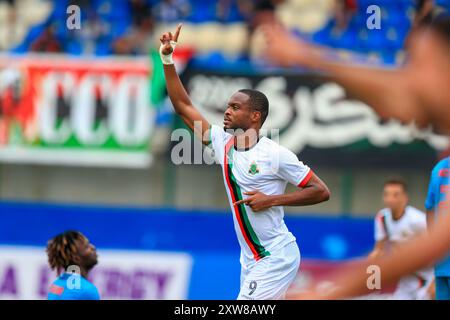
(60, 110)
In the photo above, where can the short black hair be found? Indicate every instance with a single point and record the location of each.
(258, 102)
(397, 181)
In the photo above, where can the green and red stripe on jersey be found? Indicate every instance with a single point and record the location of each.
(239, 210)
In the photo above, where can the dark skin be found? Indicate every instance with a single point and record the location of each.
(242, 121)
(246, 123)
(87, 257)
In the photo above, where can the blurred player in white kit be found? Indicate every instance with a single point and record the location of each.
(397, 223)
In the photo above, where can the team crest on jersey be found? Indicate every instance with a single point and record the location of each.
(253, 168)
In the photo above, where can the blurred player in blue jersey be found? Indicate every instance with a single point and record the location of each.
(437, 190)
(72, 256)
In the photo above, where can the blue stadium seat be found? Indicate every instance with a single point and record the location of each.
(216, 57)
(389, 57)
(345, 40)
(60, 9)
(118, 28)
(444, 3)
(103, 48)
(202, 12)
(394, 38)
(115, 10)
(74, 47)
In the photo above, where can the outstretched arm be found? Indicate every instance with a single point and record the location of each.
(177, 93)
(409, 257)
(388, 92)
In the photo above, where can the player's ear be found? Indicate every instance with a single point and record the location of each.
(256, 116)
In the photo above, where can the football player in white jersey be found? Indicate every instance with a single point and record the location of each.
(256, 171)
(397, 223)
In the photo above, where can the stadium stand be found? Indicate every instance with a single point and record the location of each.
(216, 30)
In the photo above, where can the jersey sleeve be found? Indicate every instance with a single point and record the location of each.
(291, 169)
(379, 232)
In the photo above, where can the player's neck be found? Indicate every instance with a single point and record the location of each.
(398, 214)
(246, 140)
(84, 273)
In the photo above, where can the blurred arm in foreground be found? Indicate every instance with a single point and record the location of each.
(419, 91)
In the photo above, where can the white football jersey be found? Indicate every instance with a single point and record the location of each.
(266, 167)
(411, 223)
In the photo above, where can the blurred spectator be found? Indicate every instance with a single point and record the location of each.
(171, 11)
(259, 12)
(47, 42)
(11, 23)
(141, 12)
(83, 4)
(138, 39)
(227, 10)
(123, 46)
(136, 42)
(93, 28)
(263, 11)
(423, 14)
(343, 12)
(427, 11)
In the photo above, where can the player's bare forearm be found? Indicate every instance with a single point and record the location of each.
(386, 91)
(305, 197)
(374, 254)
(409, 257)
(314, 192)
(177, 93)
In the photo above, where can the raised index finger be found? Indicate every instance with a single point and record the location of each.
(177, 32)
